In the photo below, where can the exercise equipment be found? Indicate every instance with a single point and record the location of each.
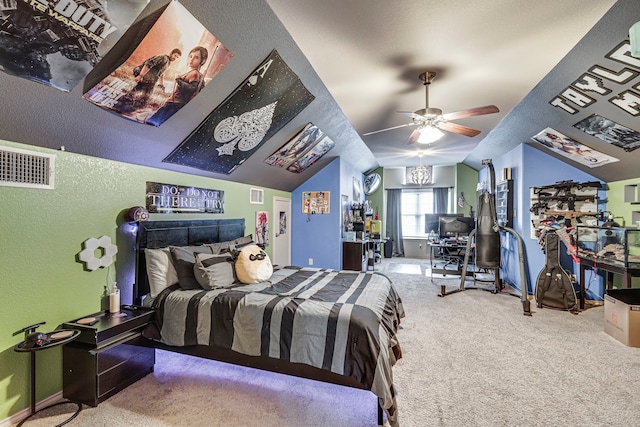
(485, 239)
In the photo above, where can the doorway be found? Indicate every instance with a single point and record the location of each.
(281, 252)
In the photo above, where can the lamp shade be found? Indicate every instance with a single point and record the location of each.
(429, 134)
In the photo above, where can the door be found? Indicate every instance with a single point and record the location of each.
(281, 252)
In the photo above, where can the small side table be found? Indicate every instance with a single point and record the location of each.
(66, 336)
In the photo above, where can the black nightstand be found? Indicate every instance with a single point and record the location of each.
(107, 356)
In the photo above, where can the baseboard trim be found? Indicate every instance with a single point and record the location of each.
(19, 416)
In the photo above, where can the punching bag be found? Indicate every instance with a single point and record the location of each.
(487, 233)
(487, 229)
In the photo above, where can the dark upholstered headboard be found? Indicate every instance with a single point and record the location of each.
(160, 234)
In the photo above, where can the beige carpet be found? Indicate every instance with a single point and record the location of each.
(470, 359)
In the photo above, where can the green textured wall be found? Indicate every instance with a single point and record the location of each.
(466, 182)
(41, 232)
(616, 204)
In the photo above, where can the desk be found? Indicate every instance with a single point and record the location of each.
(588, 263)
(67, 336)
(450, 252)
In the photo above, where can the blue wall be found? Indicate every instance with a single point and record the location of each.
(320, 236)
(533, 168)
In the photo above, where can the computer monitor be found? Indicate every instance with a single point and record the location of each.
(432, 221)
(456, 226)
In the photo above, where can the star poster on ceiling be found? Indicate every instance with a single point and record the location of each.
(267, 100)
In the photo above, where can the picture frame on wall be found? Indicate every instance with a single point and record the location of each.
(316, 202)
(357, 189)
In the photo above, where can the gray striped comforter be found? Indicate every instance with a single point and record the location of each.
(343, 322)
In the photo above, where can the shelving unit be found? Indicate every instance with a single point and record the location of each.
(566, 203)
(504, 203)
(632, 196)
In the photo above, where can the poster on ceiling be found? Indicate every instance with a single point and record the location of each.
(312, 156)
(572, 149)
(58, 42)
(174, 61)
(267, 100)
(610, 132)
(293, 149)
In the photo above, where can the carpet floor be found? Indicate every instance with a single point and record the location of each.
(470, 359)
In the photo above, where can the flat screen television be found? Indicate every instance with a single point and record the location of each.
(456, 226)
(432, 221)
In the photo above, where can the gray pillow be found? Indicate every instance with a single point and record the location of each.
(183, 260)
(222, 247)
(214, 271)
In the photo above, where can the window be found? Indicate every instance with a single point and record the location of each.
(415, 203)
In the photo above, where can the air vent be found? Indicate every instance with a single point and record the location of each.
(22, 168)
(256, 196)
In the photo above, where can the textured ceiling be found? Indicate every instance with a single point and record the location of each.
(369, 55)
(361, 60)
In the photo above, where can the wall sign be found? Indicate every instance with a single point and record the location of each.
(171, 198)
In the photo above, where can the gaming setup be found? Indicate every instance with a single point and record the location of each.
(452, 228)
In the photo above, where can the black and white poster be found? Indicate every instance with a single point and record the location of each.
(268, 99)
(58, 42)
(610, 131)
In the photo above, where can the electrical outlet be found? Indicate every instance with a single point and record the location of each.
(310, 261)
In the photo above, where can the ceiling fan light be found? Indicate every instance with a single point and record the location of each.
(429, 134)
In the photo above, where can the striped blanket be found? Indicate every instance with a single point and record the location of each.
(343, 322)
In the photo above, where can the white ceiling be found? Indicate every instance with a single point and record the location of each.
(369, 54)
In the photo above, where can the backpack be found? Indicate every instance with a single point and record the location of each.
(554, 287)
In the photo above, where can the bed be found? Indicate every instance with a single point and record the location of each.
(326, 325)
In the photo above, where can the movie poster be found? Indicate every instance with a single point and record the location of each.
(176, 59)
(267, 100)
(58, 42)
(295, 147)
(262, 228)
(572, 149)
(610, 132)
(312, 156)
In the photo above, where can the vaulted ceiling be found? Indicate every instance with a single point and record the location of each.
(361, 60)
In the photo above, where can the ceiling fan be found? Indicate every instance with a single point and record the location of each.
(429, 121)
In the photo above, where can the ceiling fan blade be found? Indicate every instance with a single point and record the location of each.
(478, 111)
(411, 114)
(459, 129)
(391, 128)
(413, 138)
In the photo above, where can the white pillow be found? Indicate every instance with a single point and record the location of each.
(253, 265)
(213, 271)
(160, 270)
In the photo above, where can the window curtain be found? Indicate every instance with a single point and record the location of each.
(394, 220)
(440, 199)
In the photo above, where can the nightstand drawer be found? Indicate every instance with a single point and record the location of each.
(116, 354)
(108, 356)
(125, 372)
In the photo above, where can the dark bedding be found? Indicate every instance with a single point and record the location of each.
(343, 322)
